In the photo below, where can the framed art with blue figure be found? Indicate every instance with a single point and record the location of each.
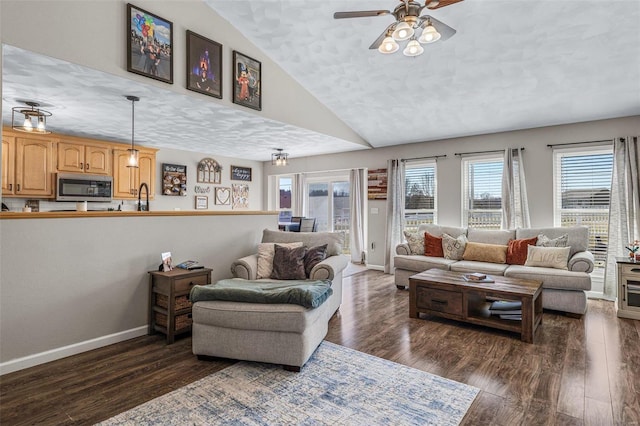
(247, 81)
(204, 65)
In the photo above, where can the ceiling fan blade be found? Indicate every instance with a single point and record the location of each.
(380, 39)
(360, 14)
(446, 32)
(434, 4)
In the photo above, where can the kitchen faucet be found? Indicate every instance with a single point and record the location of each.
(146, 187)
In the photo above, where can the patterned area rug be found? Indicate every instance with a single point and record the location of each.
(337, 386)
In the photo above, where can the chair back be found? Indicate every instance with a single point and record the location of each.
(308, 224)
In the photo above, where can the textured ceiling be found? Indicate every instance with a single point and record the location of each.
(91, 103)
(511, 65)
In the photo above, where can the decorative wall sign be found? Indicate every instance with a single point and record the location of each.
(174, 179)
(204, 65)
(201, 189)
(209, 171)
(247, 81)
(149, 45)
(241, 173)
(223, 196)
(239, 196)
(202, 202)
(377, 185)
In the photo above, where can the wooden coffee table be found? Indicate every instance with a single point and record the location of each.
(446, 294)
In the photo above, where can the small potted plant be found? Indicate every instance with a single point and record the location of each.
(633, 248)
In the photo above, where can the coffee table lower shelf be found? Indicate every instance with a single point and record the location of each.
(446, 294)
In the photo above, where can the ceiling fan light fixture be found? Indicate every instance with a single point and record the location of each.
(429, 35)
(388, 46)
(402, 32)
(413, 49)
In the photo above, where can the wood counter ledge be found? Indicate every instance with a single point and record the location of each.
(115, 213)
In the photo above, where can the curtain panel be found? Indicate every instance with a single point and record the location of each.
(395, 211)
(357, 182)
(515, 205)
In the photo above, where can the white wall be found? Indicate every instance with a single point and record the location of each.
(537, 157)
(64, 282)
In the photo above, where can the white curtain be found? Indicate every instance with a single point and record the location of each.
(624, 210)
(356, 227)
(298, 190)
(515, 206)
(395, 211)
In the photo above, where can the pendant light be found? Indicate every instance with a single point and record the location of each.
(134, 154)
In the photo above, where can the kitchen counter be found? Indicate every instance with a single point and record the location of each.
(115, 213)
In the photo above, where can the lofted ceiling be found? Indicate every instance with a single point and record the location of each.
(511, 65)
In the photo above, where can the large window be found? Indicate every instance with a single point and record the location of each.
(582, 186)
(284, 198)
(420, 194)
(482, 192)
(328, 202)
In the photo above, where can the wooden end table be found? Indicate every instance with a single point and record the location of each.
(446, 294)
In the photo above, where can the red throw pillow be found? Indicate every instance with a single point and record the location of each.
(433, 246)
(517, 250)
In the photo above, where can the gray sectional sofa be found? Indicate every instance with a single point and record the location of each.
(563, 290)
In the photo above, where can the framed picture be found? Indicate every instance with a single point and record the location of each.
(174, 179)
(222, 196)
(202, 202)
(241, 173)
(209, 171)
(247, 81)
(167, 264)
(239, 196)
(149, 44)
(204, 65)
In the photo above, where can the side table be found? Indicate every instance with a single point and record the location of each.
(628, 305)
(169, 305)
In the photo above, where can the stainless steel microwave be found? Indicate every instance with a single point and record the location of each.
(83, 187)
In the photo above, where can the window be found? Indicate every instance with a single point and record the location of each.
(419, 194)
(582, 186)
(482, 192)
(332, 213)
(284, 203)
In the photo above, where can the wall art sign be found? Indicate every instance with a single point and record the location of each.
(247, 81)
(201, 189)
(239, 196)
(202, 202)
(223, 196)
(241, 173)
(377, 185)
(149, 45)
(174, 179)
(204, 65)
(209, 171)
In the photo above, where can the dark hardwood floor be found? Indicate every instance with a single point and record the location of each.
(577, 372)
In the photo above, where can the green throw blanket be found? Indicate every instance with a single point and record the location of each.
(309, 294)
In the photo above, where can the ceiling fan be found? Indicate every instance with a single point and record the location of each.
(408, 20)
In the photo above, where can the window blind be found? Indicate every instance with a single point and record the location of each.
(482, 191)
(420, 198)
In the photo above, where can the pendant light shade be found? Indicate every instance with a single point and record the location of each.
(388, 45)
(134, 154)
(23, 119)
(429, 35)
(413, 49)
(402, 32)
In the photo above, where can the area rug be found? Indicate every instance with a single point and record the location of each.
(337, 386)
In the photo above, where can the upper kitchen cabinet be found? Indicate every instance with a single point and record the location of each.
(8, 162)
(33, 167)
(127, 180)
(82, 157)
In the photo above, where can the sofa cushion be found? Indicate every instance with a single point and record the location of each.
(490, 236)
(578, 236)
(550, 277)
(265, 258)
(334, 240)
(313, 256)
(484, 267)
(548, 257)
(432, 245)
(421, 263)
(492, 253)
(288, 263)
(453, 248)
(517, 250)
(415, 240)
(544, 241)
(438, 230)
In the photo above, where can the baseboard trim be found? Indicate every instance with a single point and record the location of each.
(74, 349)
(376, 267)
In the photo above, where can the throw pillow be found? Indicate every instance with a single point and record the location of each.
(288, 263)
(432, 245)
(453, 248)
(517, 250)
(544, 241)
(265, 258)
(548, 257)
(415, 241)
(492, 253)
(314, 256)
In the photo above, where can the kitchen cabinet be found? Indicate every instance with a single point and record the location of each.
(84, 158)
(127, 180)
(33, 167)
(8, 162)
